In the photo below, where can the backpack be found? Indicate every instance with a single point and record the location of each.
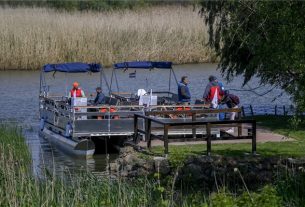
(235, 99)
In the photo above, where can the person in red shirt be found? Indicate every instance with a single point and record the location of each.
(76, 91)
(213, 92)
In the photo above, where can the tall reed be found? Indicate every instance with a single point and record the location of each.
(32, 37)
(18, 187)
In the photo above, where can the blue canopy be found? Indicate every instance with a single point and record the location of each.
(72, 67)
(143, 64)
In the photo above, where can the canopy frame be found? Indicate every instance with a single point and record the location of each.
(142, 65)
(74, 67)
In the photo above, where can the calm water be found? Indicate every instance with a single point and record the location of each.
(19, 102)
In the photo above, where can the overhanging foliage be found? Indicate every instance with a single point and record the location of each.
(260, 38)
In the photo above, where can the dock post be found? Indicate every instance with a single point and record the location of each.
(148, 132)
(275, 110)
(239, 128)
(145, 128)
(208, 127)
(194, 127)
(135, 127)
(284, 110)
(243, 110)
(165, 137)
(251, 109)
(254, 137)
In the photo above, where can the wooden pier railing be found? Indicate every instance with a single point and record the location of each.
(168, 124)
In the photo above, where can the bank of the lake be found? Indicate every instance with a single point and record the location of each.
(32, 37)
(20, 188)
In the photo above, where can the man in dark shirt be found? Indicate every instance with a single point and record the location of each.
(184, 94)
(100, 97)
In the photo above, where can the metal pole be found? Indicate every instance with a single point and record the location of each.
(105, 80)
(116, 80)
(175, 76)
(170, 78)
(101, 78)
(40, 82)
(111, 81)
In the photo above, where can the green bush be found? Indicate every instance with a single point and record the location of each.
(222, 199)
(290, 187)
(295, 122)
(267, 197)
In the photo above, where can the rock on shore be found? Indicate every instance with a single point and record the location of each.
(131, 164)
(205, 171)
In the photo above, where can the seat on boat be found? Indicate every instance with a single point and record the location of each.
(111, 101)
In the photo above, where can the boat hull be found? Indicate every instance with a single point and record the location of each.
(84, 148)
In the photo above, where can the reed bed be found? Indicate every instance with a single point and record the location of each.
(32, 37)
(18, 186)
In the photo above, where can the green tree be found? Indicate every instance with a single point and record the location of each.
(260, 38)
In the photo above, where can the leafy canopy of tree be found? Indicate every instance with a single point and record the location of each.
(260, 38)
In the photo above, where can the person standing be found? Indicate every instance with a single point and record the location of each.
(213, 92)
(231, 101)
(76, 91)
(184, 94)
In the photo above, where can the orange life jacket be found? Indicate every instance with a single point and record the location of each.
(181, 108)
(78, 92)
(112, 109)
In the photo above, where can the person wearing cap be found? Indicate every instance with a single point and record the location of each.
(213, 92)
(100, 97)
(76, 91)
